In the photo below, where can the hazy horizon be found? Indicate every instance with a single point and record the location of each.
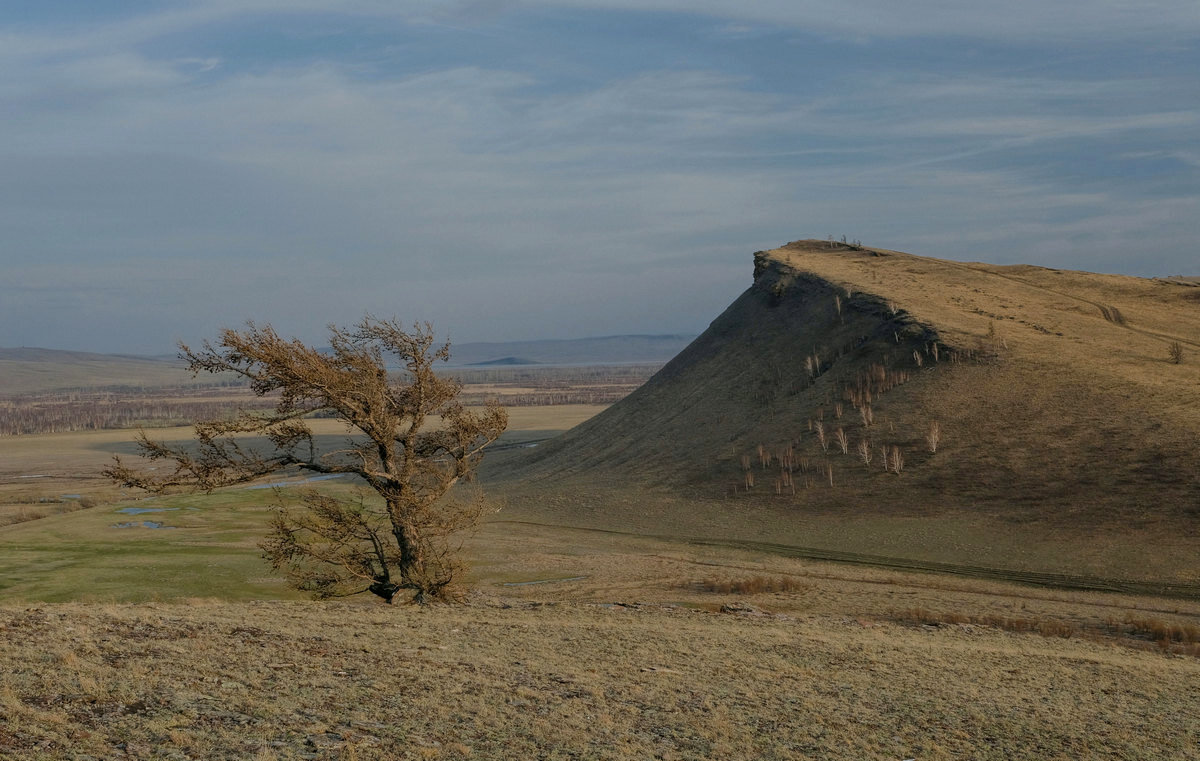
(173, 350)
(562, 168)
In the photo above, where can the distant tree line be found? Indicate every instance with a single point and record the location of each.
(598, 395)
(547, 376)
(134, 407)
(83, 412)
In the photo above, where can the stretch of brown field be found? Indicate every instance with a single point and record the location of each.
(617, 651)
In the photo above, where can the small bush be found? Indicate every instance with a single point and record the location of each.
(1175, 353)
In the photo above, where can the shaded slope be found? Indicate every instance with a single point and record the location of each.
(1051, 389)
(30, 370)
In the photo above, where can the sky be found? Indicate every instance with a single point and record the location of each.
(563, 168)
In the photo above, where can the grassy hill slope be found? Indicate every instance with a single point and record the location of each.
(1053, 392)
(509, 679)
(30, 370)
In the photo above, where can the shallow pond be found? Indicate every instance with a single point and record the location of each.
(309, 480)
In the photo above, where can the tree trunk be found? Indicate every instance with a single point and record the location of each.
(410, 570)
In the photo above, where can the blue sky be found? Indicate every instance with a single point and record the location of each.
(554, 169)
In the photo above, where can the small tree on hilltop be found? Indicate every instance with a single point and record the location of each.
(413, 441)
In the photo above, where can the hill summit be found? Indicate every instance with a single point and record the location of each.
(862, 379)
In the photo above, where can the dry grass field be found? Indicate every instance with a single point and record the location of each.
(699, 571)
(577, 645)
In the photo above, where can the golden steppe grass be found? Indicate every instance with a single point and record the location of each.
(620, 651)
(578, 641)
(1109, 333)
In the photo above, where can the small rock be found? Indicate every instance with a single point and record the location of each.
(324, 741)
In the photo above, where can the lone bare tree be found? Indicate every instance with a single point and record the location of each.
(411, 442)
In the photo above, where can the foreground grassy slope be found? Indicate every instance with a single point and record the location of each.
(828, 672)
(575, 644)
(1052, 391)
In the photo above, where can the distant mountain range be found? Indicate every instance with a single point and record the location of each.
(601, 350)
(33, 370)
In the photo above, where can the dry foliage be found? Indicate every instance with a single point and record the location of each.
(1175, 352)
(415, 442)
(753, 585)
(864, 451)
(1166, 636)
(933, 437)
(868, 417)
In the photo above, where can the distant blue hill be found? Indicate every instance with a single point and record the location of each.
(506, 362)
(601, 350)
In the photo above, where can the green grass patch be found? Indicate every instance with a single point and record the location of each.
(207, 547)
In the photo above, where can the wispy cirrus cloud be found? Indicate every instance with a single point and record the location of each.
(470, 162)
(1009, 21)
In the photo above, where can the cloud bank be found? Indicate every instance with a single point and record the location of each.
(557, 169)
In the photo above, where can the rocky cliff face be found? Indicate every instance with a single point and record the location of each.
(791, 344)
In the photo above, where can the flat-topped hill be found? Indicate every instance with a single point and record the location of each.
(918, 386)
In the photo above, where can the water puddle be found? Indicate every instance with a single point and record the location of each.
(140, 510)
(540, 581)
(309, 480)
(141, 524)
